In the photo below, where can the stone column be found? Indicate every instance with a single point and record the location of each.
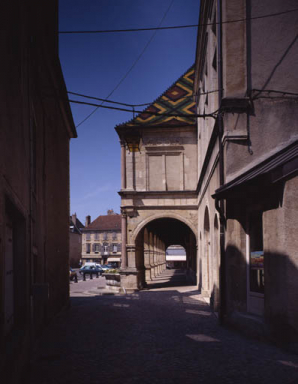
(147, 256)
(159, 255)
(151, 255)
(124, 241)
(123, 164)
(155, 255)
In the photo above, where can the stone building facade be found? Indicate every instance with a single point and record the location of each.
(247, 184)
(35, 129)
(158, 190)
(101, 240)
(223, 187)
(75, 241)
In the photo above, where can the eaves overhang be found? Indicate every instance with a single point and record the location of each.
(278, 167)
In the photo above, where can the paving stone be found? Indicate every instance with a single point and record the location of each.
(155, 336)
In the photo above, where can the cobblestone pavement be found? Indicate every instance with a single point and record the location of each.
(164, 335)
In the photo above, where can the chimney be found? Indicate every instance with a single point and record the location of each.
(74, 218)
(88, 220)
(110, 212)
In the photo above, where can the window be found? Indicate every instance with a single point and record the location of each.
(114, 236)
(96, 248)
(115, 248)
(256, 267)
(105, 249)
(88, 247)
(96, 236)
(88, 236)
(105, 236)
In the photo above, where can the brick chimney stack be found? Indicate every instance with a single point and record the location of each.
(74, 218)
(88, 220)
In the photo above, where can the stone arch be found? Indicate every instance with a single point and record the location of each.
(169, 215)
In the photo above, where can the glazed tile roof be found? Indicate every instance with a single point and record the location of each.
(177, 99)
(106, 223)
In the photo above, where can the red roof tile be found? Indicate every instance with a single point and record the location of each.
(106, 223)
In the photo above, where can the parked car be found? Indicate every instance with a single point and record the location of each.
(91, 270)
(89, 264)
(104, 267)
(73, 275)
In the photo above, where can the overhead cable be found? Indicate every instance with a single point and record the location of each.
(145, 112)
(135, 105)
(107, 101)
(130, 69)
(178, 26)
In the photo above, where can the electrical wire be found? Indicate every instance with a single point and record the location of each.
(107, 101)
(274, 91)
(135, 105)
(131, 68)
(145, 112)
(178, 26)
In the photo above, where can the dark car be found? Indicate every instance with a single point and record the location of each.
(73, 275)
(91, 270)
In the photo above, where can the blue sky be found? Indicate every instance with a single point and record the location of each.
(93, 64)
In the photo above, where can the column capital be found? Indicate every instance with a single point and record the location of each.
(123, 212)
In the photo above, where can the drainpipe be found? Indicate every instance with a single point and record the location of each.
(219, 204)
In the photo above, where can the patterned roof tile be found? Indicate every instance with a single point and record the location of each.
(176, 100)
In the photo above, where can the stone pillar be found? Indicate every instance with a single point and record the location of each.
(165, 256)
(131, 256)
(159, 255)
(130, 171)
(124, 241)
(155, 255)
(147, 256)
(123, 164)
(151, 255)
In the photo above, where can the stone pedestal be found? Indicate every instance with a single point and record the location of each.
(130, 279)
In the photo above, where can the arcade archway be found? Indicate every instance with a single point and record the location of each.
(153, 240)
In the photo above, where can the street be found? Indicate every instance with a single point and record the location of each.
(165, 335)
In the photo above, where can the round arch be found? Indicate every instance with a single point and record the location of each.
(169, 215)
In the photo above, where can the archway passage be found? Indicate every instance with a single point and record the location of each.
(151, 245)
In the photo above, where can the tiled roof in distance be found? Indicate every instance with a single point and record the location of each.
(106, 223)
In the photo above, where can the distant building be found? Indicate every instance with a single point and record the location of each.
(75, 241)
(176, 257)
(101, 241)
(36, 126)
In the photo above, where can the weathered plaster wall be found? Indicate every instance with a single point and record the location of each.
(274, 46)
(234, 48)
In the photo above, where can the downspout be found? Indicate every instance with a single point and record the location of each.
(219, 204)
